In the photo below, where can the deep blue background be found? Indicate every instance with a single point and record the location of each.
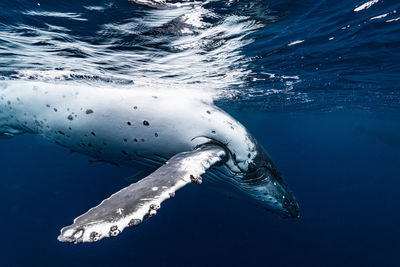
(328, 112)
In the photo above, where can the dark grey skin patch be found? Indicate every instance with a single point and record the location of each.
(61, 132)
(48, 105)
(208, 112)
(134, 222)
(70, 117)
(135, 107)
(213, 132)
(55, 110)
(89, 111)
(156, 134)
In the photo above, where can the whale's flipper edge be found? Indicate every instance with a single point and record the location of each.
(129, 206)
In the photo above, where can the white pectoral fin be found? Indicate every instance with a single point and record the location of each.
(129, 206)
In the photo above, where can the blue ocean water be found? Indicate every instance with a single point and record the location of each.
(316, 82)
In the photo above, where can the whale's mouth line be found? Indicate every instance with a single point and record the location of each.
(238, 176)
(228, 156)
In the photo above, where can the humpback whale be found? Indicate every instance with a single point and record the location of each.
(183, 138)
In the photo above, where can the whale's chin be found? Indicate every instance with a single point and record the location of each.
(258, 188)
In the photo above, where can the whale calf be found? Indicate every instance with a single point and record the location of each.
(182, 137)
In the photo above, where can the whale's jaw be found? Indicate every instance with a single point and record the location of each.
(260, 183)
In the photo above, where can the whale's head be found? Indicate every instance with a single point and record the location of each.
(248, 172)
(263, 183)
(259, 181)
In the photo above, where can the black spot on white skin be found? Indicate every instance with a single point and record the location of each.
(70, 117)
(146, 123)
(48, 105)
(156, 134)
(89, 111)
(129, 123)
(135, 140)
(93, 133)
(55, 109)
(209, 112)
(248, 155)
(213, 132)
(155, 97)
(135, 107)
